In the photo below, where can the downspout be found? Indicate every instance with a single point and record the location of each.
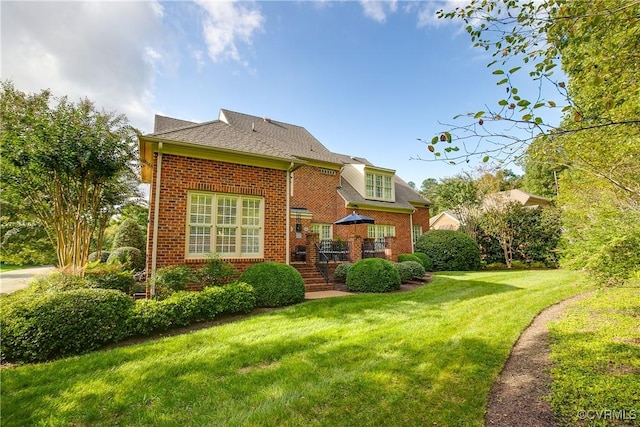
(156, 214)
(288, 218)
(411, 229)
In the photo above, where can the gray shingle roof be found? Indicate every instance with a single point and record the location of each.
(163, 123)
(217, 134)
(291, 139)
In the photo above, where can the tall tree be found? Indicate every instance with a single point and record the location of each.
(597, 143)
(67, 163)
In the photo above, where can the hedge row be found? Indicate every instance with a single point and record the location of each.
(36, 327)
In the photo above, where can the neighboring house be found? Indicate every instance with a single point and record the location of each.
(446, 220)
(253, 189)
(522, 197)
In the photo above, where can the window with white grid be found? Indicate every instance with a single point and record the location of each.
(417, 232)
(378, 186)
(380, 231)
(229, 225)
(324, 231)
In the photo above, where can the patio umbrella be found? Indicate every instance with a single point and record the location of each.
(355, 218)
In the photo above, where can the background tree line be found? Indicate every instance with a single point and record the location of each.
(591, 160)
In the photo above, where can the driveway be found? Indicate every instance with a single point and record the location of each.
(11, 281)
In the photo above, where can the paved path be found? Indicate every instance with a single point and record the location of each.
(11, 281)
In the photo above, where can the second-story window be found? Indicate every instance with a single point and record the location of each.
(379, 186)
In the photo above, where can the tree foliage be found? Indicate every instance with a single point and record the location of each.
(66, 163)
(592, 157)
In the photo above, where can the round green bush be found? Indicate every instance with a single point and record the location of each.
(340, 273)
(417, 270)
(373, 275)
(450, 250)
(129, 257)
(129, 235)
(104, 256)
(405, 271)
(184, 308)
(408, 257)
(47, 326)
(424, 260)
(275, 284)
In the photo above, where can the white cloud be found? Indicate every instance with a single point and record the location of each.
(227, 24)
(108, 52)
(377, 10)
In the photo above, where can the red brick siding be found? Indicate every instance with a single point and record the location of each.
(421, 218)
(316, 191)
(183, 174)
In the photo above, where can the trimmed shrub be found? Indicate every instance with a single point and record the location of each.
(47, 326)
(168, 280)
(131, 258)
(518, 265)
(184, 308)
(216, 272)
(417, 270)
(405, 271)
(129, 235)
(275, 284)
(212, 301)
(147, 316)
(496, 266)
(110, 276)
(408, 257)
(104, 256)
(239, 297)
(340, 273)
(373, 275)
(56, 282)
(450, 250)
(424, 260)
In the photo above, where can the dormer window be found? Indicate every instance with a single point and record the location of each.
(379, 186)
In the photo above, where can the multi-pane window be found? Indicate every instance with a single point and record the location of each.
(417, 232)
(324, 231)
(229, 225)
(380, 231)
(379, 186)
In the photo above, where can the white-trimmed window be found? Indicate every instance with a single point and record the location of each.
(227, 224)
(325, 231)
(416, 232)
(380, 231)
(379, 186)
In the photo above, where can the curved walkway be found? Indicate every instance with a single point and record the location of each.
(518, 397)
(11, 281)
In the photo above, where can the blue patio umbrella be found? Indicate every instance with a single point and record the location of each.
(355, 218)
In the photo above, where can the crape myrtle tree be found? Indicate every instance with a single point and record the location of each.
(593, 153)
(66, 163)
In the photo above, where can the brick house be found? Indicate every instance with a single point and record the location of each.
(253, 189)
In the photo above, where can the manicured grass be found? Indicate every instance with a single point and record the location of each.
(9, 267)
(426, 357)
(596, 354)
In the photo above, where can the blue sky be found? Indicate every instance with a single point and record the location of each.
(365, 78)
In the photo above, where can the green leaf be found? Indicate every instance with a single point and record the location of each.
(513, 70)
(527, 117)
(503, 81)
(498, 72)
(478, 114)
(539, 104)
(434, 140)
(485, 159)
(503, 102)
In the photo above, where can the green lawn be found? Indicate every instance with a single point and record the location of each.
(596, 355)
(9, 267)
(426, 357)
